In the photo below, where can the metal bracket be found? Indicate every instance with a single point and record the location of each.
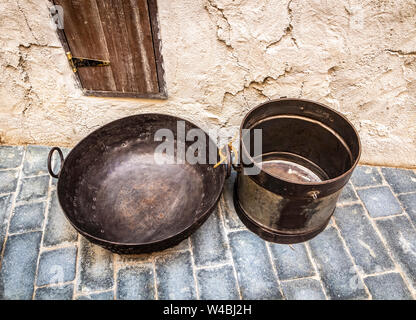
(85, 62)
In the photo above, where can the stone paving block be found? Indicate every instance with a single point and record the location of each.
(35, 188)
(136, 283)
(10, 156)
(58, 230)
(174, 268)
(27, 217)
(217, 283)
(57, 266)
(400, 180)
(8, 181)
(95, 268)
(380, 202)
(401, 240)
(347, 194)
(337, 271)
(291, 263)
(208, 242)
(35, 162)
(17, 275)
(408, 202)
(365, 245)
(365, 176)
(64, 292)
(303, 289)
(389, 286)
(184, 245)
(232, 221)
(148, 257)
(108, 295)
(175, 278)
(254, 269)
(5, 209)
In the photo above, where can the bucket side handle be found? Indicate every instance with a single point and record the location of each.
(61, 156)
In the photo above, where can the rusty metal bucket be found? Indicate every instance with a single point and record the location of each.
(309, 152)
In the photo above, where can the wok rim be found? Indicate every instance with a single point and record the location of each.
(202, 217)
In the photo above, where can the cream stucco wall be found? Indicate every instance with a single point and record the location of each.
(222, 58)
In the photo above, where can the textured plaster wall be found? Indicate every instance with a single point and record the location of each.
(222, 58)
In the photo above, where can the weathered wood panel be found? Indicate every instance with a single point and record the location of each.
(119, 31)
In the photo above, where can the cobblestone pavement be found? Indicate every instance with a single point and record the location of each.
(367, 252)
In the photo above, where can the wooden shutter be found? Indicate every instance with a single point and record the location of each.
(124, 32)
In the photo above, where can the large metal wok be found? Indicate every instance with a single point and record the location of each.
(116, 195)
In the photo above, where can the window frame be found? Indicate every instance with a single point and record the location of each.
(157, 47)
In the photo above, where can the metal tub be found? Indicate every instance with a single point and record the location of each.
(309, 152)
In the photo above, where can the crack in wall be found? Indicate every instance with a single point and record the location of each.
(222, 14)
(288, 30)
(213, 8)
(290, 27)
(228, 44)
(401, 52)
(26, 21)
(28, 97)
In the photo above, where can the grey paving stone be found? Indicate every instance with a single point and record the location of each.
(253, 266)
(347, 194)
(208, 242)
(95, 269)
(18, 268)
(380, 201)
(27, 217)
(217, 283)
(10, 156)
(389, 286)
(408, 202)
(5, 209)
(57, 266)
(148, 257)
(35, 188)
(35, 162)
(136, 283)
(174, 276)
(232, 221)
(365, 245)
(337, 271)
(108, 295)
(365, 176)
(184, 245)
(291, 263)
(303, 289)
(8, 180)
(400, 180)
(58, 230)
(401, 240)
(64, 292)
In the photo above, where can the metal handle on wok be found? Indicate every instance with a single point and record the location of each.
(61, 156)
(227, 158)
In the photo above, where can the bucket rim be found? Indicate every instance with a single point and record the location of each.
(338, 178)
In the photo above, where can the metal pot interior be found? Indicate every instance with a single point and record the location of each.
(302, 141)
